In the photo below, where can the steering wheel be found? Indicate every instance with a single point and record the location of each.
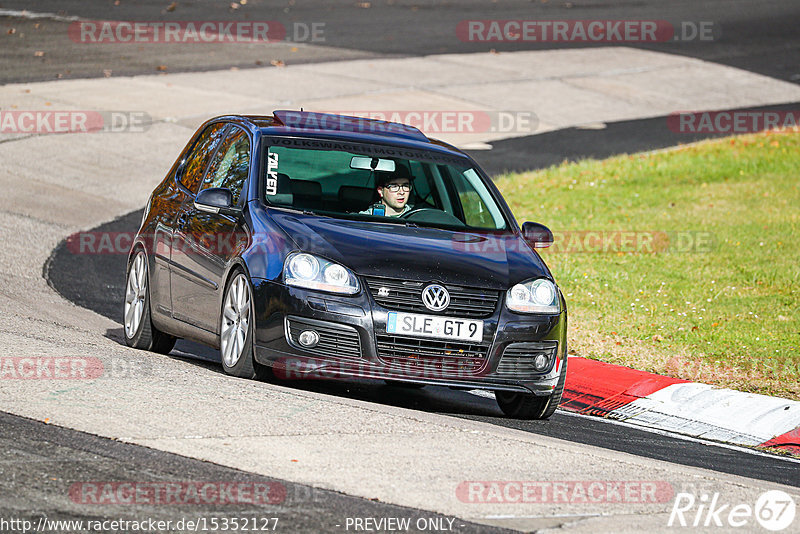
(431, 215)
(414, 211)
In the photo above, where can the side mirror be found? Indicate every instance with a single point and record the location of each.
(216, 200)
(538, 235)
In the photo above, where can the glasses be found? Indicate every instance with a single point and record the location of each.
(394, 188)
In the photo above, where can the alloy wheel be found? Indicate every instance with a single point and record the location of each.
(235, 320)
(135, 293)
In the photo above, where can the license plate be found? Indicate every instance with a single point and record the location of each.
(412, 324)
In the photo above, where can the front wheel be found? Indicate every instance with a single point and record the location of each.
(138, 328)
(528, 406)
(236, 329)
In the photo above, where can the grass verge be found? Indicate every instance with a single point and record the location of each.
(683, 262)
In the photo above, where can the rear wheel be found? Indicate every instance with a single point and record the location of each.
(138, 328)
(528, 406)
(237, 329)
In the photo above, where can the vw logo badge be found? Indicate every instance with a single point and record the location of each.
(435, 297)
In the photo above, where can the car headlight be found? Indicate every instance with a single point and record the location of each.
(312, 272)
(534, 296)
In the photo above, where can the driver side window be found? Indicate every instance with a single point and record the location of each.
(201, 152)
(231, 164)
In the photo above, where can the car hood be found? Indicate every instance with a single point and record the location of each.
(415, 253)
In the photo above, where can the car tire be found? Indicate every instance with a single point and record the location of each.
(528, 406)
(137, 326)
(236, 341)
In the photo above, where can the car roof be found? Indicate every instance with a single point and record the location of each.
(332, 126)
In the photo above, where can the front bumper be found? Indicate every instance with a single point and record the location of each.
(355, 344)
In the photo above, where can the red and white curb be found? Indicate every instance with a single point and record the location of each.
(674, 405)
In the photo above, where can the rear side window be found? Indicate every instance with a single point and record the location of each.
(230, 165)
(200, 154)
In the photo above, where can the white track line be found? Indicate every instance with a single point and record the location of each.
(25, 14)
(713, 413)
(747, 450)
(755, 452)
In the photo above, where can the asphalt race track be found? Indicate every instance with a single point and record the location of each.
(760, 36)
(32, 451)
(573, 144)
(39, 463)
(101, 289)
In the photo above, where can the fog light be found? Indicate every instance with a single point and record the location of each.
(308, 338)
(540, 362)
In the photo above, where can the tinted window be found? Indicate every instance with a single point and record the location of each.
(476, 203)
(343, 183)
(230, 165)
(200, 154)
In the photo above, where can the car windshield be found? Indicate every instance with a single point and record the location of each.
(382, 183)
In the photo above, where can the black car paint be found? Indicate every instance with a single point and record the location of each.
(187, 291)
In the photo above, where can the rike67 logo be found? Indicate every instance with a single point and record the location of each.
(774, 510)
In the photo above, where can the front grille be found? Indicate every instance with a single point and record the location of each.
(407, 296)
(517, 360)
(431, 357)
(335, 340)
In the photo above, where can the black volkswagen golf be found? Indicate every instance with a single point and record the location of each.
(305, 244)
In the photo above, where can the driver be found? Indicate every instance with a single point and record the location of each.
(394, 190)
